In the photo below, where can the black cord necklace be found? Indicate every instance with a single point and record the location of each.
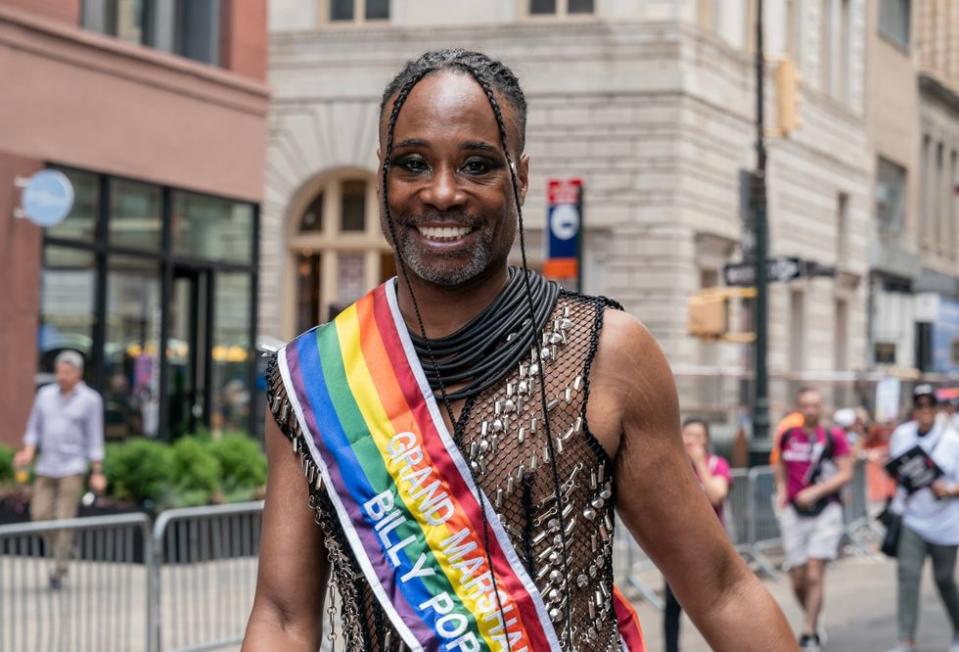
(482, 351)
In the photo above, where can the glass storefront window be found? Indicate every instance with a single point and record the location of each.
(68, 293)
(131, 352)
(81, 223)
(212, 228)
(135, 215)
(232, 357)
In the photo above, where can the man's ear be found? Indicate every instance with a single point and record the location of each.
(522, 176)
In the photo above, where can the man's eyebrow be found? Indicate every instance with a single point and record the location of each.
(411, 142)
(479, 144)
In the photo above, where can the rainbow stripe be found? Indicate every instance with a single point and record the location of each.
(403, 491)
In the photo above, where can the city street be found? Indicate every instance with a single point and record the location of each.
(860, 614)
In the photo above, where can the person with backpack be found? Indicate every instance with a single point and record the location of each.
(929, 510)
(716, 479)
(815, 463)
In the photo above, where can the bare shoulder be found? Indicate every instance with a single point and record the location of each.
(631, 385)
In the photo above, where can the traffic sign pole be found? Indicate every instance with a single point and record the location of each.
(761, 316)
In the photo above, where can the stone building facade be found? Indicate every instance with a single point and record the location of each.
(651, 103)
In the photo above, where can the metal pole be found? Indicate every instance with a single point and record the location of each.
(761, 315)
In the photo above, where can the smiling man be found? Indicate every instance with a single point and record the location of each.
(468, 430)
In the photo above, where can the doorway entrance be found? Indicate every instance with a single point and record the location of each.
(188, 350)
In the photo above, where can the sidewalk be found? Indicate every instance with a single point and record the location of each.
(860, 613)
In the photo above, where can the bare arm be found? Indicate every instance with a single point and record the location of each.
(779, 469)
(716, 487)
(634, 411)
(813, 493)
(288, 607)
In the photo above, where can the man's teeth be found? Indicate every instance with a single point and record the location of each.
(444, 232)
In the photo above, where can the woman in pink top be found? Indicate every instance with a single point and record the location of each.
(715, 477)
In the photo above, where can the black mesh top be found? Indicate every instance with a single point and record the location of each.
(501, 434)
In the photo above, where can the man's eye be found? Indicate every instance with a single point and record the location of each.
(477, 166)
(411, 164)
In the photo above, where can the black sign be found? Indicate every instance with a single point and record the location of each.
(914, 469)
(778, 270)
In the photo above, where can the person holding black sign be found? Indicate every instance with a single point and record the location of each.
(814, 465)
(925, 462)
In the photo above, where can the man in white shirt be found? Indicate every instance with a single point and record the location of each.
(66, 427)
(930, 516)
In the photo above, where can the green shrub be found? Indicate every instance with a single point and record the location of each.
(6, 464)
(242, 462)
(196, 472)
(139, 470)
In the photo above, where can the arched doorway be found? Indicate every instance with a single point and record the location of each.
(336, 250)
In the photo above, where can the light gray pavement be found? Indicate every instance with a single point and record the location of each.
(860, 614)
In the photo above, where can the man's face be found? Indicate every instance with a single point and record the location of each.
(925, 413)
(67, 376)
(450, 192)
(810, 405)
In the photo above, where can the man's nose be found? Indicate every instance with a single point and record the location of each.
(443, 192)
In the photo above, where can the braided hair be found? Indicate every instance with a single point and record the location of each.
(497, 81)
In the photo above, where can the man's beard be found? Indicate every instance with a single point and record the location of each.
(446, 270)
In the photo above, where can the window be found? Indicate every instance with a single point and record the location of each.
(561, 7)
(132, 392)
(826, 51)
(308, 286)
(885, 352)
(110, 284)
(135, 219)
(890, 196)
(353, 206)
(80, 223)
(337, 252)
(706, 11)
(953, 238)
(794, 31)
(842, 228)
(190, 28)
(358, 11)
(230, 376)
(212, 228)
(312, 220)
(844, 54)
(895, 20)
(67, 297)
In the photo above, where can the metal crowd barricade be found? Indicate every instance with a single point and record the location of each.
(630, 564)
(205, 575)
(764, 534)
(103, 604)
(862, 530)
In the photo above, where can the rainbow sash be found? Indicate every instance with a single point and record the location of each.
(403, 492)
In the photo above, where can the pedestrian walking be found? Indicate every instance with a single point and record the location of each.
(66, 428)
(930, 513)
(468, 429)
(715, 477)
(815, 463)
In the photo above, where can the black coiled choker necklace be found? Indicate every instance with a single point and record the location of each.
(483, 351)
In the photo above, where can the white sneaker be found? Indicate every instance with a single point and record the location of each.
(902, 648)
(954, 647)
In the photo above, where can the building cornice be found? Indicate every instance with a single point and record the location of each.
(28, 32)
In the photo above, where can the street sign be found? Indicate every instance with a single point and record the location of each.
(564, 221)
(47, 197)
(779, 269)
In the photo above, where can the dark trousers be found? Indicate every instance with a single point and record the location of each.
(672, 612)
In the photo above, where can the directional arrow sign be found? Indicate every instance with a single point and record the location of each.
(778, 269)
